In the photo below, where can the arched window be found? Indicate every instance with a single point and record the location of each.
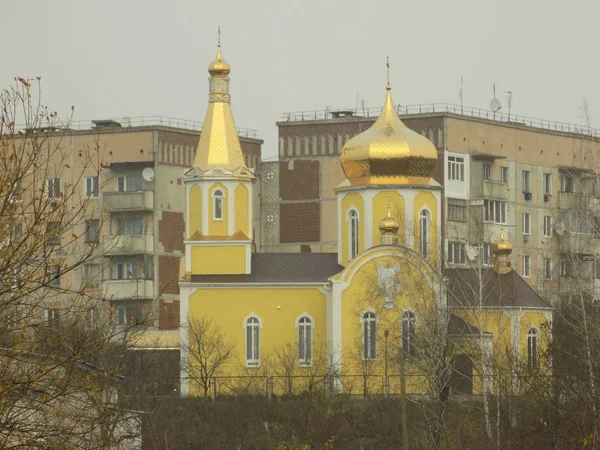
(252, 325)
(424, 233)
(532, 349)
(369, 336)
(353, 232)
(409, 334)
(305, 326)
(218, 205)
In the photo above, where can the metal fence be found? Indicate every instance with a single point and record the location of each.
(429, 108)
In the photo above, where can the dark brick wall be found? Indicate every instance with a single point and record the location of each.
(170, 231)
(168, 270)
(169, 315)
(300, 183)
(300, 222)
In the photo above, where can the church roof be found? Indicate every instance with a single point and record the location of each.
(282, 268)
(459, 327)
(499, 290)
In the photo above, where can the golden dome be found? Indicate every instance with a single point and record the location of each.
(219, 67)
(502, 247)
(388, 224)
(389, 152)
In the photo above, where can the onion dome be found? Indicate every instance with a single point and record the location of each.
(388, 227)
(502, 247)
(219, 67)
(502, 250)
(389, 152)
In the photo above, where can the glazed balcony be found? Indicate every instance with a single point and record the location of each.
(128, 244)
(128, 289)
(128, 201)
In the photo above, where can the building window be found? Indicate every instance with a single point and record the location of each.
(487, 254)
(91, 274)
(52, 236)
(526, 181)
(91, 186)
(253, 327)
(597, 268)
(409, 334)
(305, 326)
(526, 223)
(17, 233)
(53, 187)
(494, 211)
(456, 168)
(504, 174)
(129, 183)
(487, 171)
(532, 349)
(547, 268)
(16, 194)
(547, 226)
(369, 336)
(525, 263)
(92, 230)
(547, 184)
(218, 205)
(456, 253)
(127, 315)
(566, 183)
(424, 233)
(91, 317)
(133, 225)
(123, 270)
(565, 268)
(353, 232)
(53, 273)
(53, 318)
(457, 210)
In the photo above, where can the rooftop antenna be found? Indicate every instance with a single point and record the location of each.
(495, 104)
(356, 105)
(509, 102)
(460, 94)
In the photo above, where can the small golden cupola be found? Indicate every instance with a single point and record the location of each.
(389, 152)
(389, 227)
(502, 250)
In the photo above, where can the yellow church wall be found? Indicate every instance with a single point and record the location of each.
(427, 200)
(352, 200)
(218, 227)
(195, 209)
(380, 204)
(538, 321)
(278, 310)
(219, 259)
(242, 203)
(361, 295)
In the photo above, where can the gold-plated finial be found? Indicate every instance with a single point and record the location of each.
(219, 36)
(219, 67)
(389, 226)
(387, 63)
(502, 250)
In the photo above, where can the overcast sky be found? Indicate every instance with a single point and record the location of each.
(115, 58)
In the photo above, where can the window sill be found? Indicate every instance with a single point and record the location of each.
(252, 364)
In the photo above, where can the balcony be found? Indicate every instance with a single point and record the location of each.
(582, 244)
(128, 201)
(495, 189)
(128, 289)
(128, 244)
(570, 200)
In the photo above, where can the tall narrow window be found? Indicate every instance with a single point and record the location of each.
(532, 349)
(53, 187)
(526, 181)
(305, 326)
(409, 334)
(218, 205)
(353, 232)
(547, 184)
(547, 268)
(424, 233)
(91, 186)
(526, 265)
(252, 342)
(504, 174)
(547, 226)
(487, 171)
(369, 336)
(526, 223)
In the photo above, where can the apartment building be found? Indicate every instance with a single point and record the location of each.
(534, 179)
(131, 172)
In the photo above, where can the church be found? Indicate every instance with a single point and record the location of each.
(381, 311)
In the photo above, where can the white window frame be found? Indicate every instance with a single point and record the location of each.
(91, 273)
(547, 184)
(408, 318)
(567, 183)
(504, 174)
(127, 267)
(452, 245)
(456, 168)
(369, 319)
(218, 196)
(253, 345)
(547, 268)
(122, 179)
(424, 228)
(53, 187)
(526, 181)
(533, 348)
(487, 171)
(486, 254)
(353, 220)
(526, 223)
(547, 228)
(92, 189)
(122, 318)
(526, 266)
(494, 208)
(564, 268)
(305, 325)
